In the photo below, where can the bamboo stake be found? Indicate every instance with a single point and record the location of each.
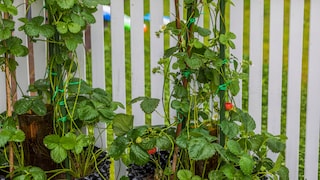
(9, 104)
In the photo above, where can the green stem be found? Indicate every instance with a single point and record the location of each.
(222, 81)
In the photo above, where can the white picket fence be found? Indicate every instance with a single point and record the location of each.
(275, 75)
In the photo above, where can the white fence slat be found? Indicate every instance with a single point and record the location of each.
(294, 86)
(118, 62)
(98, 67)
(236, 26)
(256, 56)
(118, 51)
(40, 56)
(275, 65)
(156, 52)
(22, 72)
(97, 51)
(137, 58)
(313, 114)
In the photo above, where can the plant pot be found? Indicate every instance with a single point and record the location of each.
(36, 128)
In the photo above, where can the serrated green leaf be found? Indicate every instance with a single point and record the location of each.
(88, 17)
(47, 30)
(196, 177)
(184, 174)
(182, 140)
(248, 122)
(78, 19)
(234, 87)
(203, 31)
(37, 173)
(228, 170)
(283, 173)
(39, 107)
(87, 113)
(51, 141)
(169, 52)
(5, 33)
(138, 155)
(66, 4)
(22, 106)
(67, 143)
(230, 129)
(200, 149)
(62, 27)
(215, 175)
(122, 123)
(234, 147)
(77, 85)
(12, 10)
(194, 62)
(74, 27)
(148, 105)
(4, 137)
(21, 177)
(118, 147)
(275, 145)
(18, 136)
(246, 164)
(163, 142)
(72, 42)
(256, 142)
(58, 154)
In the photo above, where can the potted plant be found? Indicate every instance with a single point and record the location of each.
(213, 138)
(63, 30)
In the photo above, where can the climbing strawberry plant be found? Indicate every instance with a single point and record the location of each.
(209, 137)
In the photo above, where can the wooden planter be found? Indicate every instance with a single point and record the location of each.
(36, 128)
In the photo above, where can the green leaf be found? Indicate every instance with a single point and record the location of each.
(203, 31)
(22, 106)
(74, 27)
(275, 145)
(77, 85)
(58, 154)
(163, 142)
(234, 147)
(248, 122)
(67, 142)
(87, 113)
(39, 107)
(169, 52)
(148, 105)
(184, 174)
(230, 129)
(88, 17)
(194, 62)
(215, 175)
(18, 136)
(78, 19)
(256, 142)
(62, 27)
(138, 155)
(196, 177)
(122, 123)
(228, 170)
(72, 41)
(200, 149)
(234, 87)
(246, 164)
(37, 173)
(66, 4)
(182, 140)
(5, 135)
(5, 33)
(118, 147)
(51, 141)
(47, 30)
(283, 173)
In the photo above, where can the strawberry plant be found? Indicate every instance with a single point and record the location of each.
(209, 137)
